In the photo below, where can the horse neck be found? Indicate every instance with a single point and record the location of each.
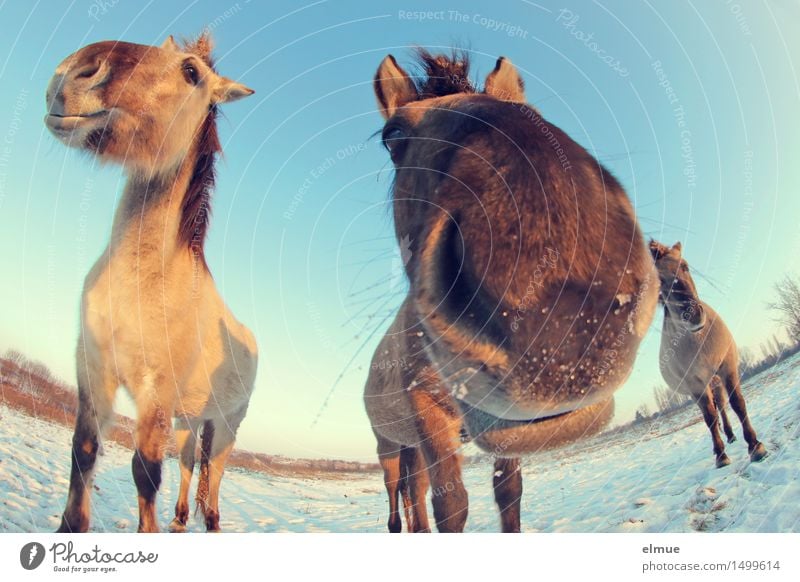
(674, 320)
(148, 218)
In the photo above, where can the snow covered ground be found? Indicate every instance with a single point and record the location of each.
(655, 477)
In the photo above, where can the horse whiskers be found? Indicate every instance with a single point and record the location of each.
(341, 375)
(382, 281)
(369, 240)
(375, 298)
(371, 260)
(360, 311)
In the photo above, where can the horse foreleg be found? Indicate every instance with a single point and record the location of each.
(439, 428)
(152, 432)
(95, 413)
(96, 390)
(507, 482)
(391, 479)
(414, 486)
(389, 458)
(185, 443)
(706, 404)
(720, 400)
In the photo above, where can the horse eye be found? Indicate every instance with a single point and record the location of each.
(391, 137)
(190, 73)
(394, 138)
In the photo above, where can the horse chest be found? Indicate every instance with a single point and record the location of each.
(124, 301)
(681, 360)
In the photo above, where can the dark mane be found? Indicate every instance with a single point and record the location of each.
(443, 74)
(196, 205)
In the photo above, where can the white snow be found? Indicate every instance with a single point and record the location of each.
(652, 477)
(624, 299)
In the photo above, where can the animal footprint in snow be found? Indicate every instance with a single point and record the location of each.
(703, 499)
(704, 507)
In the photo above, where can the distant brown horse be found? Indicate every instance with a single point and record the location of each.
(698, 354)
(530, 285)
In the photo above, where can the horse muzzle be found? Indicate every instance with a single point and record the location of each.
(510, 438)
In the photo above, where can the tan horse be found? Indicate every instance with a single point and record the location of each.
(151, 317)
(530, 285)
(698, 355)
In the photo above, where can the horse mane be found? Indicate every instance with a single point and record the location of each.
(196, 204)
(443, 74)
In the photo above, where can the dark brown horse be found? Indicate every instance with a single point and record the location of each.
(530, 284)
(698, 353)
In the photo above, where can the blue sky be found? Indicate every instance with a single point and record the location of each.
(693, 105)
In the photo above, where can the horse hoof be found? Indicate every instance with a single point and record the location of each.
(76, 526)
(176, 526)
(732, 438)
(395, 526)
(723, 461)
(758, 453)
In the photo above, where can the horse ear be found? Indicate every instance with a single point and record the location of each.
(504, 82)
(677, 247)
(227, 90)
(393, 87)
(170, 44)
(656, 249)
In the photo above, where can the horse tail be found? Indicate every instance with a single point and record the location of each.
(201, 499)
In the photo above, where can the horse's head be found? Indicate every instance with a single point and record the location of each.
(678, 291)
(520, 240)
(141, 106)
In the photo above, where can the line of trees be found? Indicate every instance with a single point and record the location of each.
(666, 400)
(786, 310)
(29, 376)
(787, 306)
